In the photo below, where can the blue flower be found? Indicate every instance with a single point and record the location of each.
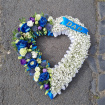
(46, 16)
(32, 71)
(34, 28)
(48, 26)
(21, 44)
(28, 55)
(24, 28)
(44, 63)
(42, 21)
(44, 76)
(32, 63)
(18, 35)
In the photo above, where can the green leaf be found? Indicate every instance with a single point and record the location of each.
(12, 42)
(25, 65)
(41, 86)
(42, 14)
(96, 96)
(25, 70)
(51, 22)
(35, 14)
(20, 57)
(47, 91)
(22, 20)
(13, 32)
(38, 50)
(29, 41)
(47, 82)
(40, 83)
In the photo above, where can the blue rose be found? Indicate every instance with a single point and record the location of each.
(24, 28)
(42, 21)
(32, 64)
(21, 44)
(44, 76)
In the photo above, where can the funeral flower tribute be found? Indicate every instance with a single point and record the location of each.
(24, 41)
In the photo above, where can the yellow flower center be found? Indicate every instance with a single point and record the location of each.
(32, 63)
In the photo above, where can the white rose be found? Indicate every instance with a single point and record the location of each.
(37, 73)
(37, 17)
(50, 18)
(17, 41)
(37, 69)
(28, 35)
(30, 23)
(35, 78)
(20, 24)
(34, 54)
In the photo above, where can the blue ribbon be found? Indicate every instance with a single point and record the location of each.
(50, 94)
(73, 26)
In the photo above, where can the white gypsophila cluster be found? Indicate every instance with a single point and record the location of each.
(72, 61)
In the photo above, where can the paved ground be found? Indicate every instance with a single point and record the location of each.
(16, 86)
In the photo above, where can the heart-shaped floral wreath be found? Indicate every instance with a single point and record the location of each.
(56, 78)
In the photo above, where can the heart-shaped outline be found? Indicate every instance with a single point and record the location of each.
(74, 57)
(60, 75)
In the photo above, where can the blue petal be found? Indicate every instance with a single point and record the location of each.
(39, 56)
(49, 33)
(44, 60)
(36, 34)
(28, 69)
(50, 95)
(32, 39)
(49, 64)
(34, 47)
